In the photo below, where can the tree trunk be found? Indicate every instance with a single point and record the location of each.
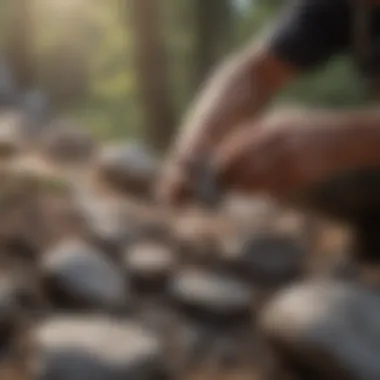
(213, 35)
(152, 70)
(20, 44)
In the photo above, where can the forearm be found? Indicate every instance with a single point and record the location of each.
(237, 92)
(349, 138)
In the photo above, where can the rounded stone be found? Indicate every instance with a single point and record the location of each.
(211, 294)
(83, 276)
(271, 259)
(96, 348)
(128, 167)
(149, 262)
(107, 224)
(330, 326)
(68, 144)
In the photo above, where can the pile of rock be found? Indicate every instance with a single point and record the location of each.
(100, 283)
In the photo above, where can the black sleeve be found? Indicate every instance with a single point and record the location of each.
(309, 32)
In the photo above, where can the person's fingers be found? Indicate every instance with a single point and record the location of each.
(173, 186)
(252, 160)
(230, 156)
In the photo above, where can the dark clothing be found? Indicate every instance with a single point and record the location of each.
(309, 32)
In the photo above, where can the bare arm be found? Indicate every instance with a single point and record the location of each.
(237, 91)
(300, 149)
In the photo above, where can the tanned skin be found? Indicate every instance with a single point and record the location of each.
(251, 151)
(234, 96)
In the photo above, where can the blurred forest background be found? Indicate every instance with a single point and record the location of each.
(131, 67)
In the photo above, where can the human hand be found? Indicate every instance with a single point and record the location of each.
(288, 152)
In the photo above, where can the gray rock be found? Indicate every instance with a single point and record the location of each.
(68, 144)
(211, 293)
(82, 274)
(128, 167)
(272, 259)
(332, 327)
(106, 221)
(96, 348)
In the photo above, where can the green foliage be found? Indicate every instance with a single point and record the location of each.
(336, 85)
(97, 36)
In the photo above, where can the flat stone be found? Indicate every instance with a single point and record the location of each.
(330, 326)
(106, 221)
(211, 293)
(96, 348)
(149, 262)
(272, 259)
(129, 167)
(83, 275)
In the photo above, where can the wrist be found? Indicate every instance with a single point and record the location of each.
(190, 158)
